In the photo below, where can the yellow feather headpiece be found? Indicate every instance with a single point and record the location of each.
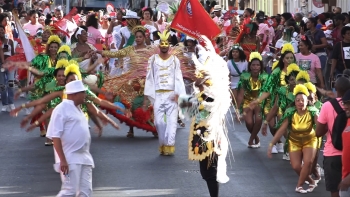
(72, 68)
(54, 38)
(164, 36)
(274, 65)
(65, 48)
(49, 28)
(138, 28)
(291, 68)
(63, 63)
(300, 89)
(255, 55)
(303, 75)
(311, 87)
(74, 62)
(287, 47)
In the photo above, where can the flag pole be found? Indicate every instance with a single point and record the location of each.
(67, 6)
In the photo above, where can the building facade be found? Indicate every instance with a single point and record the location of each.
(270, 7)
(273, 7)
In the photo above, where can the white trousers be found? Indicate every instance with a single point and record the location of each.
(165, 118)
(78, 183)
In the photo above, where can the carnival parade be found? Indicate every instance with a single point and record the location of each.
(187, 98)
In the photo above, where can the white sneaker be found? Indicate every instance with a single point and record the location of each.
(22, 95)
(274, 150)
(280, 147)
(286, 157)
(4, 108)
(27, 111)
(11, 107)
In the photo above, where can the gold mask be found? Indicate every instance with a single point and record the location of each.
(164, 44)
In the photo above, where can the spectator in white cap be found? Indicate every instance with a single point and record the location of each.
(328, 32)
(69, 130)
(217, 11)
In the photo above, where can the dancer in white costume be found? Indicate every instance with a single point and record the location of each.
(164, 83)
(207, 107)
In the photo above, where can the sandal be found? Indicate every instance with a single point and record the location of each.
(318, 180)
(311, 188)
(48, 143)
(300, 190)
(130, 134)
(181, 123)
(43, 133)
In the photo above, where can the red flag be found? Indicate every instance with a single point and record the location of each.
(192, 20)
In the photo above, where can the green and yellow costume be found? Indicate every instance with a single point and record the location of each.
(301, 128)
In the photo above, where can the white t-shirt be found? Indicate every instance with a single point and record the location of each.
(242, 66)
(69, 124)
(281, 42)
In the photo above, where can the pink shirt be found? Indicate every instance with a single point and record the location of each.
(309, 63)
(263, 28)
(327, 116)
(32, 28)
(93, 35)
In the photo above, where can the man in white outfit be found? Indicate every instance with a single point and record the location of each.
(164, 84)
(69, 130)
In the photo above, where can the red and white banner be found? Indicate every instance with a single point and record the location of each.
(193, 20)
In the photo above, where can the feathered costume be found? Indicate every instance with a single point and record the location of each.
(130, 86)
(208, 141)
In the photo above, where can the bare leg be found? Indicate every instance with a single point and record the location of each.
(314, 167)
(308, 158)
(249, 122)
(256, 126)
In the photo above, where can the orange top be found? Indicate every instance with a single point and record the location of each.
(248, 48)
(8, 32)
(102, 96)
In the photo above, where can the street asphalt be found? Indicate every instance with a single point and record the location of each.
(133, 167)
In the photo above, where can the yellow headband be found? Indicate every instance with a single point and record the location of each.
(300, 89)
(274, 65)
(311, 87)
(303, 75)
(287, 47)
(255, 55)
(54, 38)
(63, 63)
(72, 68)
(65, 48)
(291, 68)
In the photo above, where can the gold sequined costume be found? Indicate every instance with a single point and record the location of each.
(302, 134)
